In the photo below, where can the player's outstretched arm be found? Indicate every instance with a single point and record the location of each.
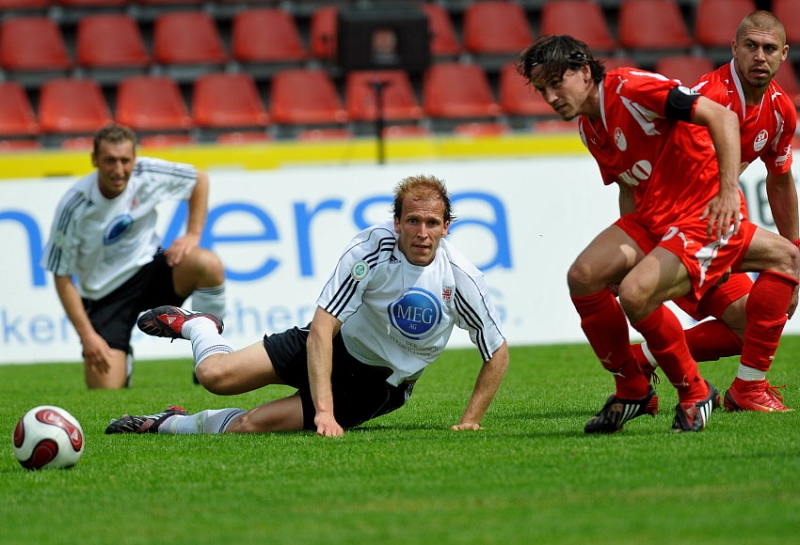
(324, 326)
(486, 386)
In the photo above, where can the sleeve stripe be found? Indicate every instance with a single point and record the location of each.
(472, 318)
(77, 201)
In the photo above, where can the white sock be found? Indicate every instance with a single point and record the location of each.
(205, 338)
(210, 300)
(649, 355)
(750, 373)
(209, 421)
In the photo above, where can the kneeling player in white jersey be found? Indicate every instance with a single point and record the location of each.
(386, 313)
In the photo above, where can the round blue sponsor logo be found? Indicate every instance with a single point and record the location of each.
(416, 314)
(118, 227)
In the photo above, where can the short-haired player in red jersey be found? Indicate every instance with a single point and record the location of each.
(767, 122)
(675, 157)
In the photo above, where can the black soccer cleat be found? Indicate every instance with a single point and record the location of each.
(616, 412)
(143, 424)
(693, 416)
(167, 321)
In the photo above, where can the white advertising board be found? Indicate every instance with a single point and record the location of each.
(279, 233)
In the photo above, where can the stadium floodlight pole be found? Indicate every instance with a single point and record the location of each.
(378, 85)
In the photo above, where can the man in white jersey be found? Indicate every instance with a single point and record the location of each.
(103, 237)
(386, 314)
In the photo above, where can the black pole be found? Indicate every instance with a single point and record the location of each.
(379, 86)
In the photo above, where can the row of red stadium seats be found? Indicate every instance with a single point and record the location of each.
(269, 35)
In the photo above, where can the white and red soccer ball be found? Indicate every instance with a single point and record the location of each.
(46, 437)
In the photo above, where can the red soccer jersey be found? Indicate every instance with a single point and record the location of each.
(766, 129)
(671, 165)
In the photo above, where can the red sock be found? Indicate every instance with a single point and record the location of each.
(712, 340)
(606, 328)
(766, 315)
(666, 341)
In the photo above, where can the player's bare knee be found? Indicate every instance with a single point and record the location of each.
(581, 280)
(214, 376)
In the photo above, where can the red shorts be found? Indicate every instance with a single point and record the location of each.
(707, 262)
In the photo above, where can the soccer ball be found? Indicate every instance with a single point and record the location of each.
(46, 437)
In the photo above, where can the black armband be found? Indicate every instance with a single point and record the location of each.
(680, 102)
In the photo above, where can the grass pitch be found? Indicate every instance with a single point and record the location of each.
(531, 476)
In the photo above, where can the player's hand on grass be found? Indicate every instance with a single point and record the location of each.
(327, 426)
(467, 426)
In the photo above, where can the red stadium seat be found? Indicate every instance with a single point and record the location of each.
(686, 68)
(321, 135)
(110, 41)
(496, 27)
(716, 21)
(16, 114)
(518, 97)
(305, 97)
(583, 19)
(399, 102)
(32, 7)
(72, 106)
(652, 25)
(188, 38)
(154, 141)
(787, 79)
(266, 35)
(788, 11)
(406, 131)
(444, 40)
(90, 3)
(476, 129)
(227, 101)
(453, 90)
(618, 62)
(152, 104)
(323, 32)
(33, 43)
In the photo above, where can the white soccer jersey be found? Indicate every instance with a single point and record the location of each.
(104, 242)
(400, 315)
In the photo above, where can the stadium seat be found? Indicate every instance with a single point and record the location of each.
(555, 126)
(154, 141)
(16, 113)
(457, 91)
(788, 11)
(266, 39)
(188, 44)
(686, 68)
(787, 79)
(617, 62)
(110, 46)
(320, 135)
(399, 102)
(33, 50)
(477, 129)
(24, 7)
(494, 30)
(152, 104)
(444, 41)
(223, 101)
(322, 33)
(715, 25)
(19, 144)
(244, 137)
(406, 131)
(72, 106)
(305, 97)
(583, 19)
(654, 27)
(518, 99)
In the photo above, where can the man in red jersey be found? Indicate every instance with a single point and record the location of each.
(767, 119)
(675, 156)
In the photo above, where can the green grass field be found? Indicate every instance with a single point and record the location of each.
(531, 476)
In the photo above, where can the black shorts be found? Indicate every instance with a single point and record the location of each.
(114, 316)
(360, 391)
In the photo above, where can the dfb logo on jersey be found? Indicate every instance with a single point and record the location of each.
(116, 229)
(416, 314)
